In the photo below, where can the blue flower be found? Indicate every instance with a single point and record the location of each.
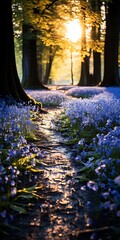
(92, 185)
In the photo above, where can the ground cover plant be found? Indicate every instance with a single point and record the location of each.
(90, 119)
(92, 126)
(18, 160)
(90, 123)
(48, 98)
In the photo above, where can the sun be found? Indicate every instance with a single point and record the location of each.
(74, 30)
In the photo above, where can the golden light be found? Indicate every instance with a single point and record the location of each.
(74, 30)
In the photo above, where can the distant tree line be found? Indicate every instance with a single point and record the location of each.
(43, 35)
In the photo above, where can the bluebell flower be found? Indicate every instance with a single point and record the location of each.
(83, 188)
(92, 185)
(105, 195)
(118, 213)
(13, 191)
(117, 180)
(3, 214)
(12, 183)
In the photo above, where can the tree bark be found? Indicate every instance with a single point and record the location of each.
(96, 7)
(111, 72)
(51, 56)
(9, 80)
(85, 74)
(96, 68)
(30, 68)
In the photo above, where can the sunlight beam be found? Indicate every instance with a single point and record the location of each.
(74, 30)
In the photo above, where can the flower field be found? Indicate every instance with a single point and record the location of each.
(18, 160)
(93, 127)
(89, 121)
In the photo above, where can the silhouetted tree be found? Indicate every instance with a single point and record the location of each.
(96, 7)
(111, 72)
(9, 81)
(30, 67)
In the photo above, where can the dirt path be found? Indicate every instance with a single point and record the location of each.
(59, 213)
(64, 211)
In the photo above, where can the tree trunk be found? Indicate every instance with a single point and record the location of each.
(96, 68)
(30, 71)
(40, 61)
(96, 7)
(85, 74)
(9, 80)
(72, 74)
(111, 72)
(49, 64)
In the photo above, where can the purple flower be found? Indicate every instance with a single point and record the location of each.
(13, 191)
(88, 222)
(93, 236)
(83, 188)
(105, 195)
(12, 183)
(106, 205)
(3, 214)
(117, 180)
(92, 185)
(118, 213)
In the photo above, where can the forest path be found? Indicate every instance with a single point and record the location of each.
(59, 213)
(64, 211)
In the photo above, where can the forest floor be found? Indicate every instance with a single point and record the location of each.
(63, 210)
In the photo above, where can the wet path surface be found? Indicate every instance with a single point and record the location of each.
(61, 209)
(59, 213)
(64, 211)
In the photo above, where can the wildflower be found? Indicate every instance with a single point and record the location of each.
(118, 213)
(117, 180)
(6, 179)
(4, 198)
(92, 185)
(11, 217)
(113, 206)
(88, 222)
(1, 169)
(12, 183)
(106, 205)
(105, 195)
(81, 142)
(3, 214)
(93, 236)
(33, 162)
(78, 158)
(83, 154)
(83, 188)
(88, 203)
(13, 191)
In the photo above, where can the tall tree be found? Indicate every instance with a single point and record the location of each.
(45, 17)
(96, 7)
(30, 67)
(111, 73)
(84, 76)
(9, 80)
(51, 55)
(89, 18)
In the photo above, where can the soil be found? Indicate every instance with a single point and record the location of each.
(63, 211)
